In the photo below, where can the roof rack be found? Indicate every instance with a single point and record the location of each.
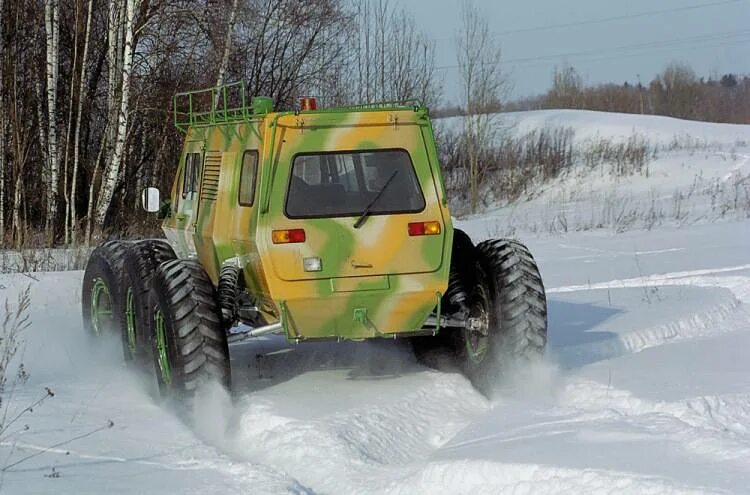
(218, 105)
(410, 104)
(228, 103)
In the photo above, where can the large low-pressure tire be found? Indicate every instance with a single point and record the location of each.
(101, 297)
(189, 344)
(141, 262)
(518, 307)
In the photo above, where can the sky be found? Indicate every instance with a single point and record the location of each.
(712, 36)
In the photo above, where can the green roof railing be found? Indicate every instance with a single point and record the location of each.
(411, 104)
(229, 103)
(211, 106)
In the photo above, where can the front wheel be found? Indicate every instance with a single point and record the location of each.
(189, 343)
(101, 297)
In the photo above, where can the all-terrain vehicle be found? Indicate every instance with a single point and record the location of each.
(316, 224)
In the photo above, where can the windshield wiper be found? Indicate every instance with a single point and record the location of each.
(366, 212)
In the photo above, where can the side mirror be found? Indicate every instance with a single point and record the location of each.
(150, 199)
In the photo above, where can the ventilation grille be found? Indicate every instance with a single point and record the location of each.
(211, 170)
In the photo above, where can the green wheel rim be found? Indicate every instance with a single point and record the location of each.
(130, 320)
(161, 348)
(101, 306)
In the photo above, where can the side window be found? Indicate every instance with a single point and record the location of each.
(248, 174)
(192, 174)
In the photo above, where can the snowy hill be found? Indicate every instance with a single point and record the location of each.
(645, 387)
(658, 130)
(694, 172)
(588, 124)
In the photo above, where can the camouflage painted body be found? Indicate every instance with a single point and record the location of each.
(375, 281)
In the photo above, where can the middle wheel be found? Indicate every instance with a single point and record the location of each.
(189, 344)
(141, 262)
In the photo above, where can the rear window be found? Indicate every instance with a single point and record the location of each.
(344, 183)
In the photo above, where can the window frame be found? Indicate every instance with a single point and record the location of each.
(195, 172)
(255, 179)
(352, 214)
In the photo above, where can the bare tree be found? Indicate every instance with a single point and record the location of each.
(484, 86)
(227, 48)
(2, 124)
(71, 213)
(567, 88)
(52, 29)
(392, 58)
(112, 170)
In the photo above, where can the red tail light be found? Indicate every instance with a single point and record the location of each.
(308, 103)
(290, 236)
(424, 228)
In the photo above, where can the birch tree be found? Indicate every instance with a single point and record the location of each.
(227, 49)
(52, 30)
(71, 99)
(71, 214)
(2, 124)
(112, 169)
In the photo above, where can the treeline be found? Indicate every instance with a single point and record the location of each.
(86, 88)
(676, 92)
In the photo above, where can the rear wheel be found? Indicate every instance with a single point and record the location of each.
(189, 343)
(101, 298)
(518, 298)
(141, 262)
(495, 288)
(507, 320)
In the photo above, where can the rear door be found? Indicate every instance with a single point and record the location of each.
(358, 206)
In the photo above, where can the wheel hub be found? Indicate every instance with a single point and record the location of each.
(101, 305)
(477, 332)
(161, 348)
(130, 320)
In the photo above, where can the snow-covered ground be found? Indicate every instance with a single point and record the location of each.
(645, 388)
(695, 172)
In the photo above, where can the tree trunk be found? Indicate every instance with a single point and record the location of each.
(18, 229)
(112, 170)
(2, 129)
(92, 188)
(227, 49)
(52, 31)
(77, 139)
(66, 195)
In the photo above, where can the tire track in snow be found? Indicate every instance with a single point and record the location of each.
(739, 285)
(724, 318)
(386, 449)
(718, 320)
(714, 427)
(359, 450)
(486, 477)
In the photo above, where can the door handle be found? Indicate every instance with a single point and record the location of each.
(357, 264)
